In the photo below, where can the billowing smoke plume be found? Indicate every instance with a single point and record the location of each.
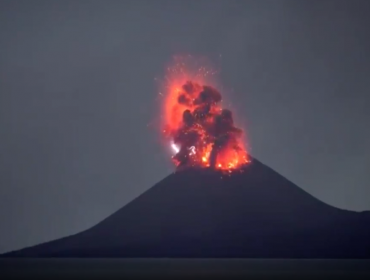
(206, 135)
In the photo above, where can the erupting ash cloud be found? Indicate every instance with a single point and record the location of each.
(200, 131)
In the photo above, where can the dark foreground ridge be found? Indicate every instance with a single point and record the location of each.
(199, 213)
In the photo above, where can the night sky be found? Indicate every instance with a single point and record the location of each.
(78, 90)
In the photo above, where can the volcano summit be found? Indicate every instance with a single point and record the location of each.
(201, 213)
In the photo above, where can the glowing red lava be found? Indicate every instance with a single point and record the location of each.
(200, 132)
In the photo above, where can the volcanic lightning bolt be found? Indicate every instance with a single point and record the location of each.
(201, 133)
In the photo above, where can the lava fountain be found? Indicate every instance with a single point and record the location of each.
(200, 132)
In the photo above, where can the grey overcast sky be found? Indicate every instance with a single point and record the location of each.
(77, 91)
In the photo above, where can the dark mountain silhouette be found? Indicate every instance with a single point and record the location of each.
(199, 213)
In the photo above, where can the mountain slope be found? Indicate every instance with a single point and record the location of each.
(202, 213)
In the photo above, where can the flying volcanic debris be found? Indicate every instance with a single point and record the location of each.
(200, 131)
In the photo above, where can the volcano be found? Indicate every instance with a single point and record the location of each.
(203, 213)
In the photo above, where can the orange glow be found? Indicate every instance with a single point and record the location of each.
(193, 141)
